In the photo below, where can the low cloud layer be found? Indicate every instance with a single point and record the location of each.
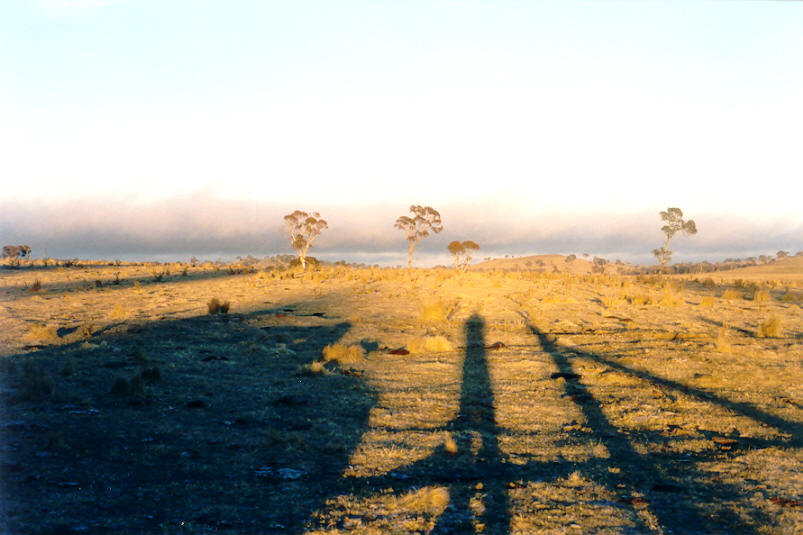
(208, 227)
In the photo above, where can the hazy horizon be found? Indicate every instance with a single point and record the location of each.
(141, 128)
(208, 227)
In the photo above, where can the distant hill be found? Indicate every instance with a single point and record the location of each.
(546, 263)
(790, 268)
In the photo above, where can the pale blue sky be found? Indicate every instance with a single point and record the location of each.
(528, 107)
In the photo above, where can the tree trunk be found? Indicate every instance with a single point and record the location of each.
(410, 256)
(663, 256)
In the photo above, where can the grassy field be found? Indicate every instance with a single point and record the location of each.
(390, 401)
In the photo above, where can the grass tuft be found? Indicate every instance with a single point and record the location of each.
(41, 334)
(429, 344)
(707, 301)
(432, 500)
(721, 343)
(761, 297)
(732, 294)
(433, 313)
(216, 306)
(640, 299)
(770, 328)
(311, 369)
(670, 299)
(343, 354)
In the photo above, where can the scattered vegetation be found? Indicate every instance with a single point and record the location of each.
(467, 400)
(15, 253)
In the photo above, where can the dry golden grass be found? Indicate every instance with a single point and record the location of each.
(770, 328)
(433, 313)
(432, 500)
(418, 442)
(428, 344)
(311, 369)
(721, 343)
(670, 299)
(732, 294)
(343, 354)
(117, 312)
(761, 297)
(640, 299)
(707, 301)
(41, 334)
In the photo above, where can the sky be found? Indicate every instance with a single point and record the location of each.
(137, 128)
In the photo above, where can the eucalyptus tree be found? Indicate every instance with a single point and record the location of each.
(673, 217)
(462, 253)
(424, 220)
(303, 229)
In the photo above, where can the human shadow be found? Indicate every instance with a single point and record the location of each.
(479, 462)
(476, 470)
(184, 426)
(659, 479)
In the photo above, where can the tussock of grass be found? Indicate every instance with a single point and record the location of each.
(215, 306)
(429, 344)
(721, 343)
(732, 294)
(450, 445)
(117, 312)
(707, 301)
(432, 313)
(41, 334)
(761, 297)
(770, 328)
(610, 301)
(670, 299)
(432, 500)
(311, 369)
(640, 299)
(343, 354)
